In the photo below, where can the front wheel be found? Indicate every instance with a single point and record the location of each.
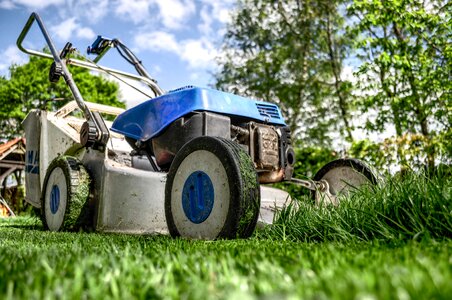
(342, 177)
(212, 191)
(65, 195)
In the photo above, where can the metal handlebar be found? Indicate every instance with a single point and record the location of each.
(56, 57)
(34, 16)
(76, 62)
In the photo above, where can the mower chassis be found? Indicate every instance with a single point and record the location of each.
(132, 200)
(124, 199)
(129, 200)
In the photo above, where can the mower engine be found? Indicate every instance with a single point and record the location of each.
(256, 126)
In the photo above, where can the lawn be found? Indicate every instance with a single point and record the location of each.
(287, 261)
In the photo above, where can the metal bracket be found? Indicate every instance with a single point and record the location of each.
(321, 187)
(309, 184)
(102, 44)
(317, 186)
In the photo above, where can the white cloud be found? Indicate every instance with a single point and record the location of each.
(136, 11)
(221, 9)
(12, 55)
(205, 27)
(85, 33)
(174, 13)
(198, 53)
(66, 29)
(194, 76)
(157, 41)
(6, 4)
(214, 12)
(223, 15)
(91, 11)
(33, 4)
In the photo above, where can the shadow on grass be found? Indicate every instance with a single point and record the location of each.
(22, 222)
(28, 227)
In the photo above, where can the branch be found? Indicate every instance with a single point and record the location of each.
(281, 11)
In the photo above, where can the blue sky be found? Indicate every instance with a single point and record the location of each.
(177, 40)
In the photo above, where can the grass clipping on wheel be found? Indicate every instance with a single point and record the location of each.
(406, 208)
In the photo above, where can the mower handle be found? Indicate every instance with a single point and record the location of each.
(94, 132)
(56, 57)
(76, 62)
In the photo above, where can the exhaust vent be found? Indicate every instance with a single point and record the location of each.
(268, 110)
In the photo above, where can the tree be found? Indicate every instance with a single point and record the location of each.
(405, 47)
(291, 53)
(29, 88)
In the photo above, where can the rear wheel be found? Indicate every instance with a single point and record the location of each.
(212, 191)
(343, 176)
(65, 195)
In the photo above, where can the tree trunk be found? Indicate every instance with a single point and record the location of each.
(337, 70)
(418, 106)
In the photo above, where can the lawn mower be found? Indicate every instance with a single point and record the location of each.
(192, 162)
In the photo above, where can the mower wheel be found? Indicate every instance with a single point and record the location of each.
(65, 195)
(212, 191)
(342, 176)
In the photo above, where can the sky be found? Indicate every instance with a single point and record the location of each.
(177, 40)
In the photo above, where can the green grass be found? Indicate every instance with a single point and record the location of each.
(36, 265)
(391, 243)
(414, 207)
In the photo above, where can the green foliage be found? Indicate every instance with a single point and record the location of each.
(35, 265)
(311, 159)
(412, 207)
(291, 53)
(385, 156)
(405, 50)
(29, 88)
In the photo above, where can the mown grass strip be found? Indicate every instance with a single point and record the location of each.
(389, 242)
(35, 264)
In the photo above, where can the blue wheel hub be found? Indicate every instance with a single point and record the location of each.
(198, 197)
(54, 199)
